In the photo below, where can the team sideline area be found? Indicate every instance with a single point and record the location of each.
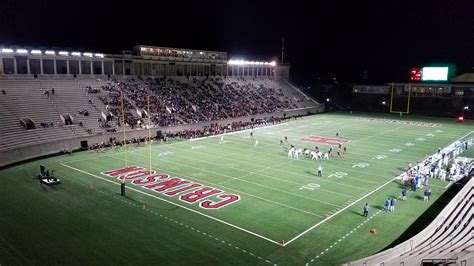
(236, 198)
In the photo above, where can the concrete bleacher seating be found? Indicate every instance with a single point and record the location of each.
(448, 240)
(174, 102)
(25, 98)
(69, 98)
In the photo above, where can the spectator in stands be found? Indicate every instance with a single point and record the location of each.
(4, 92)
(52, 91)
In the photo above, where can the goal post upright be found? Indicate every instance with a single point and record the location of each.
(391, 100)
(123, 128)
(407, 111)
(149, 130)
(409, 97)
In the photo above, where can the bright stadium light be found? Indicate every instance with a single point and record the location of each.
(384, 102)
(50, 52)
(99, 55)
(466, 108)
(7, 50)
(87, 54)
(36, 52)
(76, 54)
(327, 99)
(63, 53)
(245, 62)
(21, 51)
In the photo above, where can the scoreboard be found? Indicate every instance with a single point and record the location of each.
(429, 74)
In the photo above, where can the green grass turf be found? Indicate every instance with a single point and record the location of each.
(85, 220)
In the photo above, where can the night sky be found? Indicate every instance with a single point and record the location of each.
(323, 39)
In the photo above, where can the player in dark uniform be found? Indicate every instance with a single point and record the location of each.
(251, 134)
(345, 149)
(339, 154)
(286, 138)
(281, 142)
(337, 133)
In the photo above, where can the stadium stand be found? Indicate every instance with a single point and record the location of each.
(448, 240)
(94, 105)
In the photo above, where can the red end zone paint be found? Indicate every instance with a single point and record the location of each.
(185, 190)
(325, 140)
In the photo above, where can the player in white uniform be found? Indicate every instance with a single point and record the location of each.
(222, 139)
(297, 153)
(291, 152)
(314, 155)
(256, 143)
(326, 156)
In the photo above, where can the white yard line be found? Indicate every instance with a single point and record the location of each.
(239, 131)
(228, 188)
(175, 204)
(343, 237)
(246, 181)
(350, 205)
(131, 204)
(449, 184)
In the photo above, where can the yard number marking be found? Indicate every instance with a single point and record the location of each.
(338, 175)
(361, 165)
(310, 186)
(165, 153)
(197, 147)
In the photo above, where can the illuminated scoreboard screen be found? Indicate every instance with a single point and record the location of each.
(435, 73)
(429, 74)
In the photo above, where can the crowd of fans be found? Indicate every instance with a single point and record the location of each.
(206, 131)
(173, 102)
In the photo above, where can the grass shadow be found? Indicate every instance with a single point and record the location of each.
(426, 217)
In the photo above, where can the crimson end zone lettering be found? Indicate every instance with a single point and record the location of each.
(324, 140)
(185, 190)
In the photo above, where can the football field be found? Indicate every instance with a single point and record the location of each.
(208, 201)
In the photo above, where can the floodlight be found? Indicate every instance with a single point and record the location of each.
(87, 54)
(50, 52)
(7, 50)
(99, 55)
(21, 51)
(76, 54)
(273, 63)
(36, 52)
(63, 53)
